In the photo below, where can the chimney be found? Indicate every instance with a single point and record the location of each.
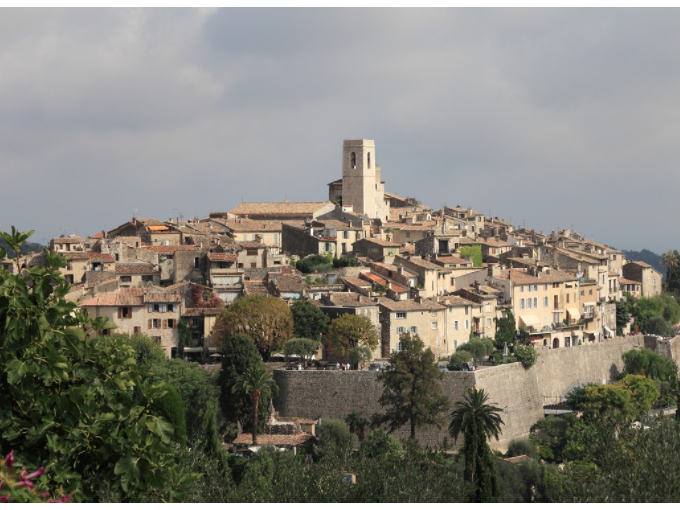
(418, 299)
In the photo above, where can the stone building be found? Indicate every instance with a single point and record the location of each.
(648, 277)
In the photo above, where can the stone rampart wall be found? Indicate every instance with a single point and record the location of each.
(521, 393)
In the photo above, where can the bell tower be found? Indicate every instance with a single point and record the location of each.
(359, 176)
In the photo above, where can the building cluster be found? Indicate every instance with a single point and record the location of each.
(412, 270)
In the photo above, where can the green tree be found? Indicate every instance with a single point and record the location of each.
(308, 320)
(522, 446)
(550, 434)
(359, 356)
(460, 357)
(411, 390)
(253, 382)
(506, 328)
(382, 444)
(348, 331)
(474, 251)
(335, 439)
(267, 320)
(650, 364)
(671, 261)
(478, 421)
(357, 425)
(171, 407)
(476, 348)
(303, 348)
(659, 326)
(76, 405)
(315, 264)
(239, 354)
(623, 314)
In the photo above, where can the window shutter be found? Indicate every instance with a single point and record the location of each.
(165, 323)
(120, 312)
(150, 323)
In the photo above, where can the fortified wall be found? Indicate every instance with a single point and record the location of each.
(520, 392)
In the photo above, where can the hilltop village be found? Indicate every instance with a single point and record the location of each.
(445, 274)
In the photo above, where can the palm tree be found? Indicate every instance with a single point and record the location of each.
(253, 382)
(478, 421)
(670, 260)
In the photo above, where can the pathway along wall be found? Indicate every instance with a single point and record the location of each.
(521, 393)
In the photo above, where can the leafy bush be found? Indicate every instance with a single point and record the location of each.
(474, 251)
(344, 262)
(171, 407)
(659, 326)
(315, 264)
(648, 363)
(526, 354)
(147, 350)
(335, 439)
(303, 348)
(476, 348)
(382, 444)
(521, 446)
(359, 355)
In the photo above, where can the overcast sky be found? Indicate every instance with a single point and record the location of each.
(551, 118)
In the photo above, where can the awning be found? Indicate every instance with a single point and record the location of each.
(530, 320)
(574, 313)
(157, 228)
(590, 303)
(611, 333)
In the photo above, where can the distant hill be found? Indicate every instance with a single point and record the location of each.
(650, 257)
(25, 249)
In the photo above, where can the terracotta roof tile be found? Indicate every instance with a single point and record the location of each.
(201, 312)
(171, 248)
(102, 257)
(222, 257)
(162, 297)
(289, 283)
(249, 208)
(255, 288)
(136, 268)
(410, 305)
(67, 240)
(273, 439)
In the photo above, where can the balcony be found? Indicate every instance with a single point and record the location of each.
(588, 315)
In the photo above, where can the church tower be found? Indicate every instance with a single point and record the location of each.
(362, 187)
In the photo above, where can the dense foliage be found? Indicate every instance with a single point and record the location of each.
(474, 251)
(267, 320)
(315, 264)
(526, 354)
(253, 382)
(77, 406)
(308, 320)
(301, 348)
(348, 331)
(411, 391)
(506, 329)
(239, 354)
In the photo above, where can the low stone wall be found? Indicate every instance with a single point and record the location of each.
(520, 392)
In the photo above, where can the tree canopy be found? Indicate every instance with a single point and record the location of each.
(267, 320)
(411, 390)
(348, 331)
(309, 321)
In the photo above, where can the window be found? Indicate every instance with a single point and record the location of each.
(401, 330)
(413, 330)
(251, 252)
(455, 325)
(253, 265)
(163, 308)
(344, 248)
(172, 323)
(535, 287)
(545, 287)
(545, 302)
(172, 308)
(521, 288)
(276, 238)
(487, 307)
(434, 314)
(353, 161)
(434, 325)
(369, 159)
(69, 266)
(466, 311)
(345, 234)
(138, 330)
(126, 279)
(521, 304)
(125, 312)
(408, 234)
(197, 263)
(556, 317)
(401, 315)
(147, 278)
(582, 292)
(488, 323)
(154, 323)
(556, 285)
(398, 346)
(467, 324)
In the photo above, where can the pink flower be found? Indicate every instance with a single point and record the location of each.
(9, 460)
(4, 499)
(63, 499)
(39, 472)
(26, 483)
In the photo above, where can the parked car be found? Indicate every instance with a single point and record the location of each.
(461, 367)
(443, 368)
(376, 367)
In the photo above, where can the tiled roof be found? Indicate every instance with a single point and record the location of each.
(222, 257)
(351, 299)
(255, 288)
(162, 297)
(289, 283)
(397, 288)
(67, 240)
(336, 224)
(640, 263)
(170, 248)
(426, 264)
(453, 260)
(136, 268)
(374, 278)
(626, 281)
(98, 235)
(279, 208)
(357, 282)
(273, 439)
(149, 222)
(518, 276)
(250, 244)
(124, 297)
(255, 225)
(410, 305)
(425, 226)
(379, 242)
(456, 301)
(102, 257)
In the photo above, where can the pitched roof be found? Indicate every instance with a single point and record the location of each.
(161, 297)
(67, 240)
(518, 276)
(249, 208)
(255, 225)
(379, 242)
(426, 264)
(626, 281)
(222, 257)
(289, 283)
(273, 439)
(124, 297)
(255, 288)
(102, 257)
(201, 312)
(456, 301)
(410, 305)
(136, 268)
(171, 248)
(349, 299)
(357, 282)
